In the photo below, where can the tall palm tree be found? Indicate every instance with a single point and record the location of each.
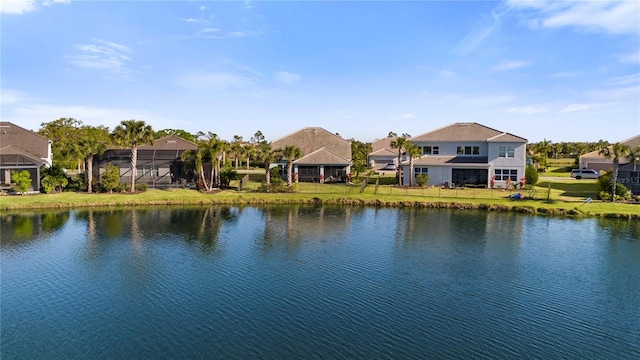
(399, 143)
(615, 152)
(266, 154)
(199, 155)
(414, 152)
(542, 149)
(248, 151)
(634, 157)
(92, 141)
(290, 153)
(133, 133)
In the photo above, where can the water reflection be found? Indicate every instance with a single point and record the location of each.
(20, 229)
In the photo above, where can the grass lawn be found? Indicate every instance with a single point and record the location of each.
(563, 197)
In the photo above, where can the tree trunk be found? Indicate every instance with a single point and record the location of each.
(134, 161)
(89, 172)
(267, 174)
(289, 175)
(204, 180)
(614, 177)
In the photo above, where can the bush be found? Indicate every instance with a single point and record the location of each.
(22, 180)
(51, 182)
(110, 180)
(142, 187)
(531, 175)
(226, 175)
(422, 179)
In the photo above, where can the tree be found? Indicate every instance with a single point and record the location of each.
(414, 152)
(110, 179)
(266, 155)
(52, 178)
(258, 137)
(133, 133)
(236, 149)
(175, 132)
(198, 156)
(634, 156)
(399, 143)
(62, 133)
(615, 152)
(291, 153)
(92, 140)
(22, 181)
(542, 149)
(359, 153)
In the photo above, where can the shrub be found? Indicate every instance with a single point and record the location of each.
(110, 180)
(142, 187)
(422, 179)
(51, 182)
(531, 175)
(226, 175)
(22, 180)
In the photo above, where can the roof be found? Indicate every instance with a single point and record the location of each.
(632, 142)
(467, 131)
(310, 139)
(322, 156)
(12, 155)
(27, 140)
(170, 142)
(384, 152)
(382, 144)
(478, 161)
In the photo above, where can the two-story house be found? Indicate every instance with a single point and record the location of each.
(324, 155)
(22, 149)
(468, 153)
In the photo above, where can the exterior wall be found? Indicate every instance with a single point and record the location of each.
(378, 162)
(518, 162)
(438, 175)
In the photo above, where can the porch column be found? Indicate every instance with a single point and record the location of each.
(321, 173)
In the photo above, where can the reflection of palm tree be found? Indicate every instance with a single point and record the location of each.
(615, 152)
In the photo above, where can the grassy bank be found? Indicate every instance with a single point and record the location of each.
(559, 204)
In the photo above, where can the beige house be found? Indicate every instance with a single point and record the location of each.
(325, 156)
(382, 156)
(593, 160)
(22, 149)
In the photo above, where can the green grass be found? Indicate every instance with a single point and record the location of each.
(563, 197)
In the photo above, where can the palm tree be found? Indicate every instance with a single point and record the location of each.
(399, 143)
(266, 154)
(199, 155)
(133, 133)
(542, 149)
(248, 151)
(634, 157)
(414, 152)
(236, 149)
(615, 152)
(92, 141)
(291, 153)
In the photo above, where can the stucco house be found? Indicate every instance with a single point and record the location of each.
(382, 156)
(593, 160)
(324, 154)
(468, 154)
(158, 165)
(22, 149)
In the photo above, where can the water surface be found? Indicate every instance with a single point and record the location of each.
(317, 282)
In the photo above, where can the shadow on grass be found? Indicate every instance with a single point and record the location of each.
(577, 188)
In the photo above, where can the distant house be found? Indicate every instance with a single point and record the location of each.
(159, 165)
(468, 153)
(22, 149)
(593, 160)
(323, 153)
(383, 156)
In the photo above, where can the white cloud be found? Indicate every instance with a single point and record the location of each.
(189, 20)
(564, 74)
(17, 6)
(408, 116)
(202, 8)
(527, 110)
(575, 107)
(479, 33)
(616, 17)
(101, 55)
(287, 77)
(630, 58)
(624, 80)
(510, 65)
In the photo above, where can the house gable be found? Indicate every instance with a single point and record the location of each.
(26, 140)
(310, 139)
(466, 132)
(322, 156)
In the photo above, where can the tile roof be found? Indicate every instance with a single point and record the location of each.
(310, 139)
(469, 131)
(632, 142)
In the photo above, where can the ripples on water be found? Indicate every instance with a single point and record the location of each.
(317, 282)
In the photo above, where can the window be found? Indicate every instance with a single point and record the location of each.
(476, 150)
(468, 150)
(421, 170)
(426, 150)
(504, 174)
(506, 151)
(146, 170)
(436, 150)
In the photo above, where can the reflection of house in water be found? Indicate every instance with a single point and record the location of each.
(315, 223)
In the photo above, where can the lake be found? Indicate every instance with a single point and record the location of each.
(307, 282)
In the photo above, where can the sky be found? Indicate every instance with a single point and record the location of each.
(560, 71)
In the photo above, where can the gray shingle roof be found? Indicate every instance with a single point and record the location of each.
(310, 139)
(468, 131)
(322, 156)
(27, 140)
(12, 155)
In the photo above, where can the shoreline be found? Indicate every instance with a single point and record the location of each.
(70, 201)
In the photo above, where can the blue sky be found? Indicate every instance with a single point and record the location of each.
(564, 71)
